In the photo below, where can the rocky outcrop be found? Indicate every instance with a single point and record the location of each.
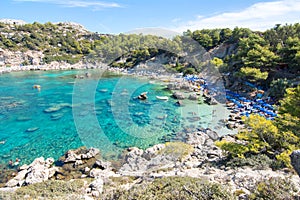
(38, 171)
(295, 160)
(153, 163)
(79, 155)
(78, 163)
(139, 162)
(223, 50)
(10, 58)
(204, 148)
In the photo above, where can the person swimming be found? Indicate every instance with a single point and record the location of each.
(10, 163)
(17, 162)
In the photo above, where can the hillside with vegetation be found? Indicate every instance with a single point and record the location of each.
(249, 60)
(264, 58)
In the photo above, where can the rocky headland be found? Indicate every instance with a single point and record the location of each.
(197, 157)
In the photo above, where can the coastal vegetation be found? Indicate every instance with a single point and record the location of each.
(276, 139)
(164, 188)
(269, 60)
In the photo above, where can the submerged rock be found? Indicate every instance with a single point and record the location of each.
(179, 103)
(21, 119)
(32, 129)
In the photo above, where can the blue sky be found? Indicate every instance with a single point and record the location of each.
(116, 16)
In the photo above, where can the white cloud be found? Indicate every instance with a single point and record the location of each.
(77, 3)
(259, 16)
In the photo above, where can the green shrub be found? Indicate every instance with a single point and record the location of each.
(178, 150)
(278, 87)
(253, 74)
(174, 188)
(51, 189)
(254, 161)
(274, 188)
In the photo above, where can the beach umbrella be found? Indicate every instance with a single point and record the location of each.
(260, 101)
(257, 106)
(242, 98)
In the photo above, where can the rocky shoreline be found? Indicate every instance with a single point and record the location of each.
(197, 157)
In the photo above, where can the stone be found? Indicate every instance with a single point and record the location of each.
(37, 175)
(193, 97)
(17, 180)
(295, 161)
(38, 171)
(210, 100)
(78, 162)
(87, 74)
(49, 162)
(209, 143)
(97, 185)
(171, 86)
(23, 167)
(143, 96)
(152, 151)
(87, 169)
(196, 139)
(102, 165)
(99, 173)
(212, 134)
(79, 154)
(52, 171)
(95, 193)
(178, 95)
(179, 103)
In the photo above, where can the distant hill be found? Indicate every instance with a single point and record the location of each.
(263, 58)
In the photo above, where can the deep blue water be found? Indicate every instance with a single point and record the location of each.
(67, 113)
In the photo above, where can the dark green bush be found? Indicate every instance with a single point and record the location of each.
(255, 161)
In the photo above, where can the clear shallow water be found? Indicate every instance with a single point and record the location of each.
(41, 123)
(100, 111)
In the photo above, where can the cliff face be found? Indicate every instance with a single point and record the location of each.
(10, 58)
(223, 50)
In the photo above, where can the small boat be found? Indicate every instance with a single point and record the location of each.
(162, 98)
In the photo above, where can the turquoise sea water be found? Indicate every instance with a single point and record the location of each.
(100, 111)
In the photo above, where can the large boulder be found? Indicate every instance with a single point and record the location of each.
(80, 154)
(178, 95)
(38, 171)
(295, 160)
(96, 187)
(212, 134)
(210, 100)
